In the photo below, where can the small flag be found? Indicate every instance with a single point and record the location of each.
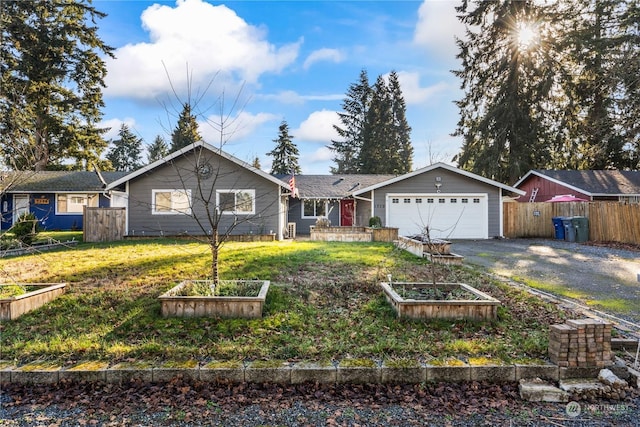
(292, 187)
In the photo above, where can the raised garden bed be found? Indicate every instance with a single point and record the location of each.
(437, 250)
(230, 299)
(440, 301)
(38, 247)
(354, 234)
(32, 296)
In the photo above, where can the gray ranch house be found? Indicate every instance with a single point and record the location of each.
(178, 194)
(452, 203)
(183, 193)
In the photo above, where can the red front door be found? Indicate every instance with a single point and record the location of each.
(347, 212)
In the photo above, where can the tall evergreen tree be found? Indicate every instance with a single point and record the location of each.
(186, 131)
(125, 155)
(52, 75)
(353, 119)
(285, 154)
(386, 142)
(601, 78)
(157, 150)
(376, 138)
(400, 146)
(507, 84)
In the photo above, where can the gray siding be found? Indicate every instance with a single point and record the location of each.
(363, 210)
(226, 175)
(451, 183)
(303, 224)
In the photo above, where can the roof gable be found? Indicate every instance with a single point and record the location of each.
(434, 167)
(189, 148)
(592, 182)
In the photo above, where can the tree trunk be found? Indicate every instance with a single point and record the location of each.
(214, 244)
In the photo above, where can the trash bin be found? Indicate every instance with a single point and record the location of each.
(569, 229)
(581, 227)
(559, 228)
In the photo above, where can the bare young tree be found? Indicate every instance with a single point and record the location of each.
(222, 198)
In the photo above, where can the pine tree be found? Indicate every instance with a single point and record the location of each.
(400, 147)
(599, 57)
(186, 131)
(507, 85)
(157, 150)
(374, 156)
(51, 74)
(353, 119)
(285, 154)
(125, 154)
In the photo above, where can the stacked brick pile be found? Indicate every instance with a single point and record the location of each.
(580, 343)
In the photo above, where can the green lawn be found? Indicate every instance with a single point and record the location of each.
(324, 303)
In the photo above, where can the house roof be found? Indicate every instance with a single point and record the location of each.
(433, 167)
(333, 186)
(191, 147)
(57, 181)
(592, 182)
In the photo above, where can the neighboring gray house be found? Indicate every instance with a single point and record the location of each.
(169, 196)
(453, 203)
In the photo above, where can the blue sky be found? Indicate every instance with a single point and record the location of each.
(251, 64)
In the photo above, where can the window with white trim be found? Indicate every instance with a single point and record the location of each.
(464, 200)
(314, 208)
(476, 200)
(395, 200)
(407, 200)
(441, 200)
(171, 202)
(74, 203)
(418, 200)
(236, 202)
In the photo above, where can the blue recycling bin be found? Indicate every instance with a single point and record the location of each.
(569, 229)
(559, 227)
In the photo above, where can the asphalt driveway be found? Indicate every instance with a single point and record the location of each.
(603, 278)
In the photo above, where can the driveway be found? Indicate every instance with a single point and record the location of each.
(603, 278)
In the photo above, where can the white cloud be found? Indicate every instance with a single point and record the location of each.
(436, 27)
(325, 54)
(115, 125)
(236, 128)
(413, 93)
(204, 38)
(322, 154)
(294, 98)
(318, 127)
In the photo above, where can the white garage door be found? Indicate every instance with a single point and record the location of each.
(448, 216)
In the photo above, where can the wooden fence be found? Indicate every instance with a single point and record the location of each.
(103, 224)
(608, 221)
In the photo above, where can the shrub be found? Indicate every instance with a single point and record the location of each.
(26, 228)
(323, 221)
(375, 222)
